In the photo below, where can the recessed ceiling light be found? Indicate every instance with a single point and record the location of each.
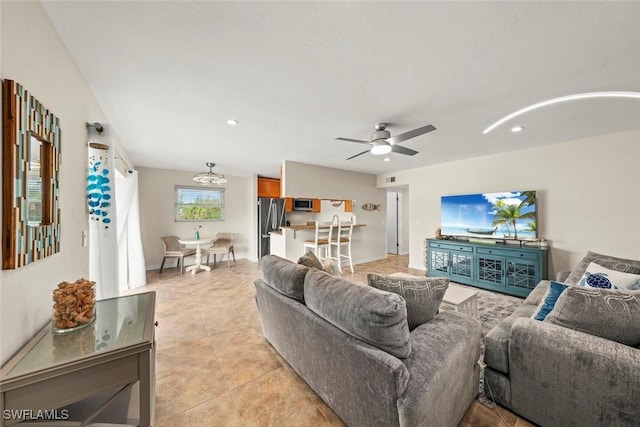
(574, 97)
(232, 122)
(516, 129)
(386, 159)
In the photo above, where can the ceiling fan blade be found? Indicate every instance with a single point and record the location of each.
(411, 134)
(359, 141)
(403, 150)
(359, 154)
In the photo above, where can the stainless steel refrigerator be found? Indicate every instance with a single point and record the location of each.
(270, 218)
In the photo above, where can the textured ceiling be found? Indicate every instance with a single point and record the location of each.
(296, 75)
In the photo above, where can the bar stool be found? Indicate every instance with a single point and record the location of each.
(320, 243)
(342, 239)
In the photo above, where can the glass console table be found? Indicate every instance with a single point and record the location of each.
(55, 370)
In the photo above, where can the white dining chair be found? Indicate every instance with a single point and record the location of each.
(341, 242)
(320, 243)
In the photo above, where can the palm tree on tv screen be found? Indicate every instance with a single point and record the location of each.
(532, 226)
(509, 214)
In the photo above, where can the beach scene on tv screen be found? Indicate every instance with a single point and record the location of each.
(507, 215)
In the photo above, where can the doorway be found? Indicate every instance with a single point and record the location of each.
(395, 212)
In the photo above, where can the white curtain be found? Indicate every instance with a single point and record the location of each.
(131, 265)
(103, 252)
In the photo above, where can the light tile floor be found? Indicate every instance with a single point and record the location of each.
(214, 368)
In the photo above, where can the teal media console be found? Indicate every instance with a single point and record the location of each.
(509, 269)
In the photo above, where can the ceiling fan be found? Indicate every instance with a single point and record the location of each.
(382, 142)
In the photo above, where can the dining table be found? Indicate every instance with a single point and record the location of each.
(197, 243)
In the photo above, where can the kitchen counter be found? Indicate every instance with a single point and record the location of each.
(290, 245)
(311, 227)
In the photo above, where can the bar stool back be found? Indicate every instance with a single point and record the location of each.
(342, 240)
(320, 243)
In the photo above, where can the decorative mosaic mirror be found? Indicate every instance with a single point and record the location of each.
(31, 165)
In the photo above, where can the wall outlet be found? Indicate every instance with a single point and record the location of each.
(84, 238)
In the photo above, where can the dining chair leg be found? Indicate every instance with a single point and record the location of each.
(181, 265)
(229, 259)
(234, 255)
(162, 265)
(208, 258)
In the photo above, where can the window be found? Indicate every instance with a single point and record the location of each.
(199, 204)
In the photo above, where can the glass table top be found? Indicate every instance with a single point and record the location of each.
(119, 322)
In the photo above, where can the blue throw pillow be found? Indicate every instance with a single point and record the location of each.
(549, 301)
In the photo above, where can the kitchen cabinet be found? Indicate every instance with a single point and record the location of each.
(288, 204)
(348, 205)
(512, 270)
(268, 187)
(315, 207)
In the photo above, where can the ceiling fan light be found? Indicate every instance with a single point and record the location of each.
(380, 149)
(210, 178)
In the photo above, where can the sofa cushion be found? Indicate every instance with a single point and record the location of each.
(610, 314)
(309, 259)
(538, 293)
(549, 301)
(423, 295)
(597, 276)
(496, 343)
(284, 276)
(376, 317)
(614, 263)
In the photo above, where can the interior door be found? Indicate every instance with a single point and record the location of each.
(393, 222)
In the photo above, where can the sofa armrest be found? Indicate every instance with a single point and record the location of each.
(561, 276)
(443, 369)
(560, 376)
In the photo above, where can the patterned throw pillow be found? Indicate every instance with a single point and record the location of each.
(549, 300)
(597, 276)
(610, 314)
(330, 266)
(608, 261)
(309, 259)
(422, 294)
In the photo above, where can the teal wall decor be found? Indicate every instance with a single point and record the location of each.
(99, 186)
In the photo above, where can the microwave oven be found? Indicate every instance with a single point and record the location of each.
(302, 205)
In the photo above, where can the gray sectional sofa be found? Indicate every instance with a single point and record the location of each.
(558, 376)
(352, 346)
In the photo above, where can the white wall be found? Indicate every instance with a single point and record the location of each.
(304, 180)
(588, 194)
(33, 55)
(157, 213)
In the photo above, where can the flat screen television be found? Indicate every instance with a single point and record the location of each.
(508, 215)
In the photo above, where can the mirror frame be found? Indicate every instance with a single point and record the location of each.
(23, 117)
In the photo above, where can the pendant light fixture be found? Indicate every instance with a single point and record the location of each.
(210, 178)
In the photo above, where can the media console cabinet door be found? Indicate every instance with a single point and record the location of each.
(512, 270)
